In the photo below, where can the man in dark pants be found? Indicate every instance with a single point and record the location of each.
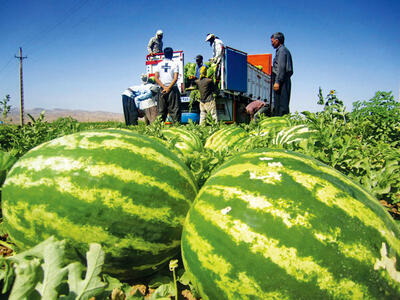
(166, 75)
(282, 70)
(131, 113)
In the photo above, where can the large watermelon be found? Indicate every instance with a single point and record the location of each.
(273, 224)
(114, 187)
(225, 137)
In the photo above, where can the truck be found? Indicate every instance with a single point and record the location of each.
(244, 78)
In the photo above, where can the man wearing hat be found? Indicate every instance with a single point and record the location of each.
(218, 47)
(156, 44)
(140, 98)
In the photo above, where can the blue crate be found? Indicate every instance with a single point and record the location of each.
(195, 117)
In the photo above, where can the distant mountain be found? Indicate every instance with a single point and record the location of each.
(54, 114)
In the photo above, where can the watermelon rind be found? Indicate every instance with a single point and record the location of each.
(115, 187)
(275, 224)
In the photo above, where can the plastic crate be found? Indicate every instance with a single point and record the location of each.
(195, 117)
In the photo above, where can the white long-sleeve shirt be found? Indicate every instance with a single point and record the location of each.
(141, 94)
(218, 45)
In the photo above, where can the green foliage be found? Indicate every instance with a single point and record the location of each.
(41, 273)
(4, 107)
(189, 70)
(21, 139)
(7, 160)
(361, 144)
(378, 118)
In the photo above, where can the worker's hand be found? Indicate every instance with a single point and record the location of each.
(166, 90)
(276, 86)
(192, 77)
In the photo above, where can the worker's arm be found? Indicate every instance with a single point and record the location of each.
(145, 95)
(282, 60)
(150, 46)
(166, 90)
(158, 81)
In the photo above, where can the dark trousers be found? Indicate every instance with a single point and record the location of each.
(170, 104)
(282, 98)
(130, 110)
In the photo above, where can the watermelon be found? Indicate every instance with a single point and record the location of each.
(294, 134)
(114, 187)
(275, 224)
(225, 137)
(270, 126)
(186, 141)
(274, 122)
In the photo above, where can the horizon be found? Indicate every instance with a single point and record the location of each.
(81, 55)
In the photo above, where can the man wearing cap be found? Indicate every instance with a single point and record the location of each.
(156, 44)
(218, 47)
(139, 98)
(282, 70)
(199, 65)
(166, 76)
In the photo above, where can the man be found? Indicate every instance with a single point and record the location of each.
(199, 65)
(131, 113)
(282, 70)
(139, 98)
(156, 44)
(166, 75)
(207, 101)
(218, 47)
(256, 108)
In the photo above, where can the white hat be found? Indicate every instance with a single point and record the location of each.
(159, 32)
(209, 36)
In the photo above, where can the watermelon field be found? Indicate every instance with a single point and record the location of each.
(304, 206)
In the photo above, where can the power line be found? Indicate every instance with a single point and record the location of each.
(69, 13)
(6, 65)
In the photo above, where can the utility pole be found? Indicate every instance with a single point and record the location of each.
(21, 81)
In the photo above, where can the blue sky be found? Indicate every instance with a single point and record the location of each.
(82, 54)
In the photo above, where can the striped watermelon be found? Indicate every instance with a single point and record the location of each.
(225, 138)
(293, 134)
(270, 126)
(114, 187)
(186, 141)
(273, 224)
(274, 122)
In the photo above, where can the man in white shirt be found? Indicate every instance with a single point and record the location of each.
(218, 47)
(166, 75)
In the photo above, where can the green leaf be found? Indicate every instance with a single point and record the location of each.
(27, 275)
(184, 278)
(163, 292)
(91, 285)
(159, 280)
(53, 255)
(7, 275)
